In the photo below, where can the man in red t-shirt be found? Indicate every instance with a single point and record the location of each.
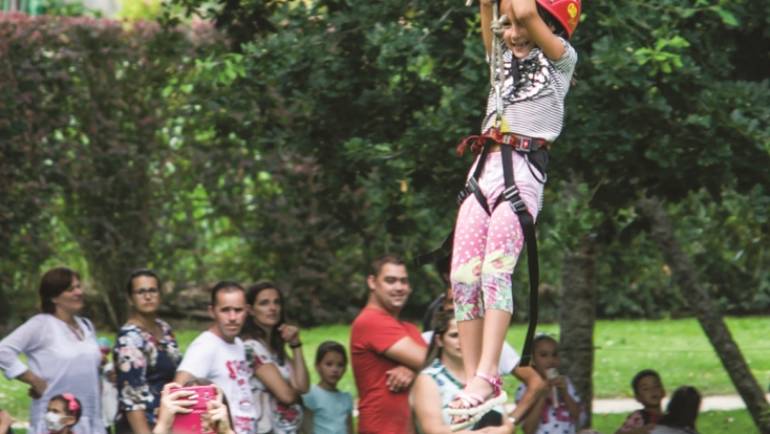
(385, 352)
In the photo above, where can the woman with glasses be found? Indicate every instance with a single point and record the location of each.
(61, 350)
(146, 355)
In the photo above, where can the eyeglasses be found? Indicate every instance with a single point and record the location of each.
(146, 291)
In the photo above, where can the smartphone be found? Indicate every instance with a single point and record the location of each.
(193, 423)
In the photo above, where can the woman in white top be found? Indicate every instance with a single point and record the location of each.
(62, 352)
(279, 379)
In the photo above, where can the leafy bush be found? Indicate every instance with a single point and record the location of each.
(82, 111)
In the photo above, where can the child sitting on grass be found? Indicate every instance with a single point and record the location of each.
(62, 414)
(648, 390)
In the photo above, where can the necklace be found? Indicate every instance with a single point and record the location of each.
(76, 330)
(152, 328)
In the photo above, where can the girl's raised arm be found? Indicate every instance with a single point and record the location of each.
(486, 22)
(525, 12)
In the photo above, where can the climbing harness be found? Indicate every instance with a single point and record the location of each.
(508, 143)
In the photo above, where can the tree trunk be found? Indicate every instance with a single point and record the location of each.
(577, 315)
(5, 308)
(709, 316)
(111, 297)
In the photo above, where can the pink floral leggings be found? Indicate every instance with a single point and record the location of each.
(486, 248)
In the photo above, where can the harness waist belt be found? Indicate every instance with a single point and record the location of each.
(516, 141)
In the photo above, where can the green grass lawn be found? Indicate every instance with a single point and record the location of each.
(676, 348)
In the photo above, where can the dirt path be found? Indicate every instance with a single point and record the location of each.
(627, 405)
(710, 403)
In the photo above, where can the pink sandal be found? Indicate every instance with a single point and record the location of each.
(474, 406)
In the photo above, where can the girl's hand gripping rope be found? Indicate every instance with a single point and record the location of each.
(498, 26)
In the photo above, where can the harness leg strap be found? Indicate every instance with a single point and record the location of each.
(472, 187)
(527, 223)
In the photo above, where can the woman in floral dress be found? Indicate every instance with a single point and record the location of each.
(146, 356)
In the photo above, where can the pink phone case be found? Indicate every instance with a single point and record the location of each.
(192, 423)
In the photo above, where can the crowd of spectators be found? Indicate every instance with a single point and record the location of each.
(254, 360)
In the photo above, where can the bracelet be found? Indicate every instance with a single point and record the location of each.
(297, 345)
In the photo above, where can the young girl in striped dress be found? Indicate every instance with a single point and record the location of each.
(527, 106)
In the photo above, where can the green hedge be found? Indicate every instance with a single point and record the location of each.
(82, 111)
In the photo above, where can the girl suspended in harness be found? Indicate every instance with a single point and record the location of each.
(531, 70)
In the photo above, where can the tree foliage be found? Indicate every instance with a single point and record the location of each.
(669, 99)
(669, 104)
(85, 94)
(321, 135)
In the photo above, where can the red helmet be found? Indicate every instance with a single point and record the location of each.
(567, 12)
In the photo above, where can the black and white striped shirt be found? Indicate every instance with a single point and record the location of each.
(534, 106)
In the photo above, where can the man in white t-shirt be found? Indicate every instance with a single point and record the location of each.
(218, 355)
